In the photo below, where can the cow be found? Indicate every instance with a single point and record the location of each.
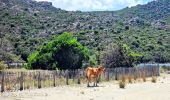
(93, 73)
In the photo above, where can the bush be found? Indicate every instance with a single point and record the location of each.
(2, 65)
(119, 55)
(64, 52)
(165, 68)
(93, 60)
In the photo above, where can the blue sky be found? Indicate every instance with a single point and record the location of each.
(95, 5)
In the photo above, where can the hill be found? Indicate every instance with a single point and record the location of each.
(27, 24)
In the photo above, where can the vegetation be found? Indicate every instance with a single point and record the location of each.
(154, 79)
(130, 79)
(26, 24)
(122, 82)
(2, 66)
(140, 12)
(144, 78)
(64, 52)
(119, 55)
(165, 68)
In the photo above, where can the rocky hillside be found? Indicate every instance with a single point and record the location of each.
(157, 13)
(27, 24)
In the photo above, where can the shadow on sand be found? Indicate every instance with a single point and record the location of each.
(95, 86)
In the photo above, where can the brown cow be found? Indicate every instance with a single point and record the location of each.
(93, 74)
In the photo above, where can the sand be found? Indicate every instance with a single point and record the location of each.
(105, 91)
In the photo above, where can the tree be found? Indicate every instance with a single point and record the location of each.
(64, 52)
(119, 55)
(162, 57)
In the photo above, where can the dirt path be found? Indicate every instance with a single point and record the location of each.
(106, 91)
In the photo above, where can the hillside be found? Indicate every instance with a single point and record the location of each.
(155, 10)
(27, 24)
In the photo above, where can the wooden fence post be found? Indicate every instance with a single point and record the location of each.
(158, 71)
(78, 81)
(67, 76)
(54, 73)
(116, 78)
(39, 80)
(2, 81)
(21, 81)
(108, 76)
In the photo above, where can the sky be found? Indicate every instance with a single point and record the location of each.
(95, 5)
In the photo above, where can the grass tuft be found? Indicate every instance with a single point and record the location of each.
(144, 78)
(122, 84)
(130, 79)
(154, 79)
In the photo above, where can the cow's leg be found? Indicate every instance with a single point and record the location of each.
(88, 85)
(88, 82)
(95, 82)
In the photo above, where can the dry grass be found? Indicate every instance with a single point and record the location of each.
(8, 87)
(135, 77)
(130, 79)
(122, 84)
(162, 70)
(123, 79)
(154, 79)
(144, 77)
(17, 70)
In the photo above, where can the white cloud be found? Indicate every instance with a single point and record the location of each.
(94, 5)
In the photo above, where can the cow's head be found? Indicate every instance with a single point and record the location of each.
(101, 69)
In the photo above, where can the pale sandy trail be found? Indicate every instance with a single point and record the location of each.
(106, 91)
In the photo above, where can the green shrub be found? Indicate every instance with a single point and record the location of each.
(92, 60)
(2, 65)
(64, 52)
(119, 55)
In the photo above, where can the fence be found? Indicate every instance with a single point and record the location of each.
(13, 81)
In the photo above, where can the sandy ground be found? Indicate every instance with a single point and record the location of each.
(105, 91)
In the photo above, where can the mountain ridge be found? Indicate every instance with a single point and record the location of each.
(27, 24)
